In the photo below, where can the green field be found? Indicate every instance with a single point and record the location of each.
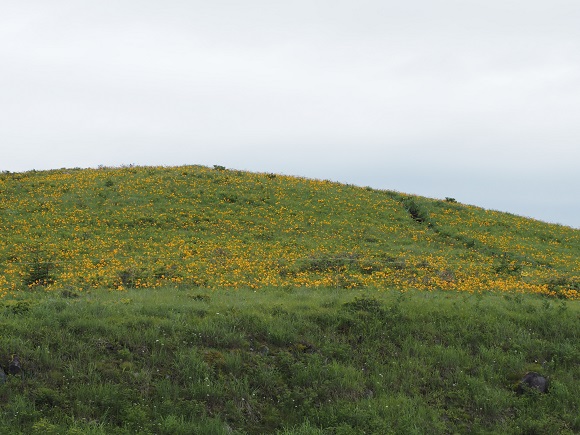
(288, 361)
(191, 300)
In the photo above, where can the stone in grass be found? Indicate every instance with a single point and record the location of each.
(533, 381)
(2, 376)
(14, 366)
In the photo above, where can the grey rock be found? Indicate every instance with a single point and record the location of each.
(2, 376)
(14, 366)
(533, 381)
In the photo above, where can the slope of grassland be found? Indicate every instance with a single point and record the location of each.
(288, 361)
(354, 311)
(217, 228)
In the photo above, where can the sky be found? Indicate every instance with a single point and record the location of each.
(478, 100)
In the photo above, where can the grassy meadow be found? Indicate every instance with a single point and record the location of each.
(147, 227)
(196, 300)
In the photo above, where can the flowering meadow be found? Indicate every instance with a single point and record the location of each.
(147, 227)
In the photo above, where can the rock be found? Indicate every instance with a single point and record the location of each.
(14, 366)
(533, 381)
(2, 376)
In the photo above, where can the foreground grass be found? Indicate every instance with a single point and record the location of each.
(287, 361)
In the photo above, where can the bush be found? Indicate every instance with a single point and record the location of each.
(507, 265)
(39, 273)
(415, 210)
(325, 262)
(559, 284)
(130, 277)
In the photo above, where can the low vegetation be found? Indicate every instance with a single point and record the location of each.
(288, 361)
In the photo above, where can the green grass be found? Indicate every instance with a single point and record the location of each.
(205, 300)
(288, 361)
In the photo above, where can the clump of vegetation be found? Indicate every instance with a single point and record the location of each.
(562, 285)
(418, 213)
(324, 262)
(507, 265)
(130, 277)
(39, 271)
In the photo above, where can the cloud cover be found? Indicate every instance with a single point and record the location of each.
(477, 100)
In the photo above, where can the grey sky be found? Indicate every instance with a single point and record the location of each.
(477, 100)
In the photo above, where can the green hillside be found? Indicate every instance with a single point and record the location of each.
(195, 300)
(218, 228)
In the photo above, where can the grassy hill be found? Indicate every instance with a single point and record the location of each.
(196, 300)
(218, 228)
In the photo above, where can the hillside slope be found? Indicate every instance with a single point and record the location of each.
(218, 228)
(382, 347)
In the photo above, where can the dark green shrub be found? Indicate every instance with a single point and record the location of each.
(228, 197)
(201, 297)
(368, 267)
(167, 272)
(18, 307)
(559, 283)
(370, 305)
(69, 293)
(415, 210)
(47, 397)
(325, 262)
(39, 273)
(130, 277)
(507, 265)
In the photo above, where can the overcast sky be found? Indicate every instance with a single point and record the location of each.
(478, 100)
